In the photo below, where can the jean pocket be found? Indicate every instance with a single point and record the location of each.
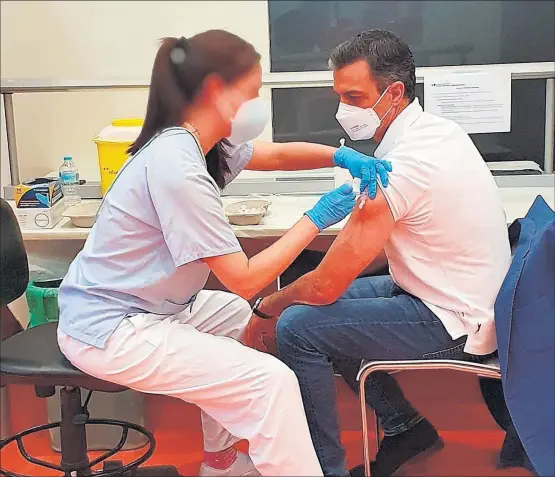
(454, 352)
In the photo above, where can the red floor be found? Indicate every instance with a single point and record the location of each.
(451, 401)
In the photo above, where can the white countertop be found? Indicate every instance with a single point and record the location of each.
(286, 210)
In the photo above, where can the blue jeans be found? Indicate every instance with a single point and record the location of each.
(374, 320)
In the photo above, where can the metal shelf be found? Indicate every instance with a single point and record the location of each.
(306, 79)
(519, 71)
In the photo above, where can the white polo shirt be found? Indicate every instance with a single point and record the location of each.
(449, 246)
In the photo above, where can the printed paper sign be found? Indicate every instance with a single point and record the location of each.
(480, 102)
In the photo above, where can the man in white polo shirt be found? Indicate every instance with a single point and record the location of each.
(442, 227)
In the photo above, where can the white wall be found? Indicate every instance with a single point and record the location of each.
(92, 39)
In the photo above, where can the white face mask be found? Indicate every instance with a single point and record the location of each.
(249, 121)
(360, 123)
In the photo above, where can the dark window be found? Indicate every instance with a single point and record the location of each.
(440, 33)
(308, 114)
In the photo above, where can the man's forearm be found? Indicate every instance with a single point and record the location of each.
(305, 291)
(308, 291)
(359, 243)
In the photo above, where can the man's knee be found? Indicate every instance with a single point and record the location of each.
(292, 324)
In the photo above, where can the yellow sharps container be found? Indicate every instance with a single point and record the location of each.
(112, 143)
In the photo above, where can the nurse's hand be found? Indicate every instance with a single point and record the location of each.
(333, 207)
(365, 168)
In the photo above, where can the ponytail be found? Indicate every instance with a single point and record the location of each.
(180, 68)
(166, 101)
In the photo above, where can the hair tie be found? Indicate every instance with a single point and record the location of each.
(178, 53)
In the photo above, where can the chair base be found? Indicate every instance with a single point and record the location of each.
(75, 461)
(84, 469)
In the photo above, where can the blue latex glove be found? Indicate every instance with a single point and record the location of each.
(333, 207)
(364, 167)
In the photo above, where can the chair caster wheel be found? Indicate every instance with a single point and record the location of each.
(114, 465)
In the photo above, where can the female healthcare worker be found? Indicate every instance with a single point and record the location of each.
(132, 306)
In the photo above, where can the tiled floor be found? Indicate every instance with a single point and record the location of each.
(451, 401)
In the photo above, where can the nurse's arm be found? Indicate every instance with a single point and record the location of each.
(358, 244)
(290, 156)
(247, 277)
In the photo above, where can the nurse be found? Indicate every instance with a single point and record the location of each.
(132, 306)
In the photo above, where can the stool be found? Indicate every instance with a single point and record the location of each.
(33, 357)
(488, 369)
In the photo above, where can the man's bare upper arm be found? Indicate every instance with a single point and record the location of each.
(360, 241)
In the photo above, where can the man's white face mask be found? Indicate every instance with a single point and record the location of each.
(249, 121)
(360, 123)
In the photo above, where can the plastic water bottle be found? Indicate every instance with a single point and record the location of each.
(69, 179)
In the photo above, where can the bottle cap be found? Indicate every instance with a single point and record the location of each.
(68, 158)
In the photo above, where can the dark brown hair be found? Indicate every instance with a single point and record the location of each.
(389, 58)
(179, 71)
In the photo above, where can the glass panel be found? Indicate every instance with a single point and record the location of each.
(440, 33)
(308, 114)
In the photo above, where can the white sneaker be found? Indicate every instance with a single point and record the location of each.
(242, 466)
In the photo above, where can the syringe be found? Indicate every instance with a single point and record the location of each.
(356, 184)
(363, 198)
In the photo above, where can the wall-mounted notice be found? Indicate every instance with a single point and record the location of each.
(480, 102)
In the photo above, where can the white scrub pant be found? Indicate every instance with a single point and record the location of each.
(196, 356)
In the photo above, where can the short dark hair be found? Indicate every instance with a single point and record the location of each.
(389, 58)
(178, 74)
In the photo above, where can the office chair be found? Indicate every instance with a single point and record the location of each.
(32, 357)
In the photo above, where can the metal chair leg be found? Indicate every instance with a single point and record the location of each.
(72, 433)
(365, 443)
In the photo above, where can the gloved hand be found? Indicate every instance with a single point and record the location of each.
(333, 207)
(364, 167)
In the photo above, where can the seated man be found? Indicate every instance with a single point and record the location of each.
(442, 226)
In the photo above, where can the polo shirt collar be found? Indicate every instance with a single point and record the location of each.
(396, 129)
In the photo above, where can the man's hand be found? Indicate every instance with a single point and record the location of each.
(364, 167)
(261, 334)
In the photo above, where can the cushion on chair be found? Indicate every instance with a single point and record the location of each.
(33, 357)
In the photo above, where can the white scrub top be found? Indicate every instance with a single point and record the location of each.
(162, 216)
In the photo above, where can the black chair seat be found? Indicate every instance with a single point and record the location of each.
(33, 357)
